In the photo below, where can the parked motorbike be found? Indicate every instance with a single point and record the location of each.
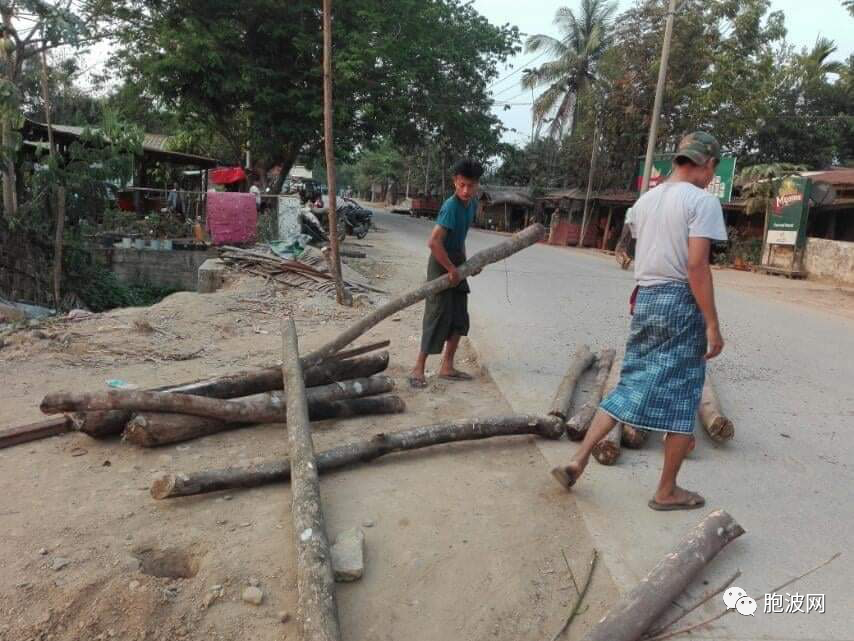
(356, 218)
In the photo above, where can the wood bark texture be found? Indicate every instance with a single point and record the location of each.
(364, 451)
(317, 609)
(632, 615)
(634, 438)
(607, 451)
(472, 266)
(576, 427)
(34, 431)
(581, 360)
(152, 429)
(717, 426)
(342, 366)
(258, 408)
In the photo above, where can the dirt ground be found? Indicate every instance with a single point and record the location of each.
(463, 542)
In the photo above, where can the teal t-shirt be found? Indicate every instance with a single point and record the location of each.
(456, 218)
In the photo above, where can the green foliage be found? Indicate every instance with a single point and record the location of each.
(99, 289)
(251, 71)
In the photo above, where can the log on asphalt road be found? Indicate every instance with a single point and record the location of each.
(577, 426)
(471, 267)
(151, 429)
(632, 615)
(607, 451)
(717, 426)
(316, 606)
(343, 366)
(364, 451)
(581, 360)
(259, 408)
(34, 431)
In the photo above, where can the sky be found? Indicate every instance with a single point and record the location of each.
(805, 20)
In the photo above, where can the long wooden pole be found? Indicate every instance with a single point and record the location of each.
(471, 267)
(590, 173)
(329, 147)
(318, 611)
(659, 96)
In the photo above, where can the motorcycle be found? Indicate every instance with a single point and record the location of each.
(356, 218)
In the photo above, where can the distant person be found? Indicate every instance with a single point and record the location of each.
(255, 190)
(446, 317)
(674, 328)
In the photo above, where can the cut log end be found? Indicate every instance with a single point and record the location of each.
(606, 452)
(163, 487)
(721, 429)
(634, 438)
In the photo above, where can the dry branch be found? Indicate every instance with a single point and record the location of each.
(577, 426)
(472, 266)
(640, 608)
(173, 485)
(318, 612)
(581, 360)
(259, 408)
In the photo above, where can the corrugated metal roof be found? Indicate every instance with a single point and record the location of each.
(496, 197)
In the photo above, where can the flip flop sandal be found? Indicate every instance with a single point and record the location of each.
(457, 376)
(417, 383)
(694, 501)
(564, 476)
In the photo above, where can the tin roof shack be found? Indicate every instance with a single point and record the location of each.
(606, 214)
(504, 209)
(144, 194)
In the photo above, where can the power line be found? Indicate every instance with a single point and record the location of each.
(521, 67)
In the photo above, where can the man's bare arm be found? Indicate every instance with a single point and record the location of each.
(700, 280)
(437, 248)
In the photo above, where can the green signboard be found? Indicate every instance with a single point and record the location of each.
(662, 165)
(787, 220)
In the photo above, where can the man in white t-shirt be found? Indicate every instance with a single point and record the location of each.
(675, 327)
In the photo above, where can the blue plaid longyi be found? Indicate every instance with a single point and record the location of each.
(661, 381)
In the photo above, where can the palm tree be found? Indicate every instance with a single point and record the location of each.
(849, 4)
(815, 62)
(584, 38)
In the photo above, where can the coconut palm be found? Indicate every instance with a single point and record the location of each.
(584, 38)
(849, 4)
(815, 63)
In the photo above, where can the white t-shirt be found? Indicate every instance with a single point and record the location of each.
(254, 189)
(663, 220)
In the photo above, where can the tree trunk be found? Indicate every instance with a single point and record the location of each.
(34, 431)
(633, 437)
(472, 266)
(259, 408)
(245, 383)
(581, 360)
(364, 451)
(153, 429)
(577, 426)
(632, 616)
(607, 451)
(8, 56)
(318, 612)
(717, 426)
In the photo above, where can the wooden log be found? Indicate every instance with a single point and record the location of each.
(633, 437)
(471, 267)
(364, 451)
(581, 360)
(607, 451)
(258, 408)
(632, 616)
(717, 426)
(151, 429)
(343, 366)
(318, 612)
(34, 431)
(577, 426)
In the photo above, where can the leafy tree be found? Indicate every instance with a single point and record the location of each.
(584, 39)
(250, 72)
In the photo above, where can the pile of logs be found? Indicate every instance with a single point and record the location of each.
(719, 428)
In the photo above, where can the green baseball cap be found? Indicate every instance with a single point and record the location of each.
(699, 147)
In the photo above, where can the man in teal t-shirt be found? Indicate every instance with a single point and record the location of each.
(446, 317)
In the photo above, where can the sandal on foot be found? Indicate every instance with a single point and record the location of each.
(457, 376)
(693, 502)
(564, 476)
(417, 383)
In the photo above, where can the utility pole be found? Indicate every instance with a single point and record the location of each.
(332, 212)
(589, 184)
(659, 96)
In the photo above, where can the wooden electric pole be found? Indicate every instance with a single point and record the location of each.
(659, 96)
(332, 211)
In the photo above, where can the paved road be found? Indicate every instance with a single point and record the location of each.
(787, 380)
